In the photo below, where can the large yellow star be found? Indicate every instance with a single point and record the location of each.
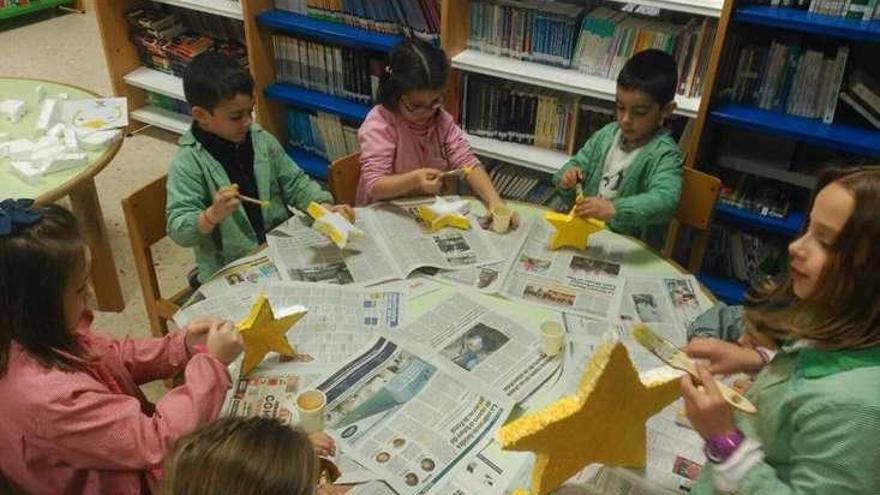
(604, 421)
(443, 213)
(262, 333)
(571, 230)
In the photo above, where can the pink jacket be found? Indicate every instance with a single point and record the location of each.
(390, 145)
(95, 432)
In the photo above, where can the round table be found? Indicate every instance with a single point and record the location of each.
(77, 183)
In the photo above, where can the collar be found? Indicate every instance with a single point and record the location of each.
(816, 363)
(189, 139)
(216, 144)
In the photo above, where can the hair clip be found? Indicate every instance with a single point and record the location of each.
(15, 213)
(388, 70)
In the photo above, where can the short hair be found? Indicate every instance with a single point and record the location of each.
(236, 455)
(412, 64)
(213, 77)
(37, 264)
(652, 71)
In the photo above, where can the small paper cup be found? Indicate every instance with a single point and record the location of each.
(501, 216)
(552, 335)
(310, 406)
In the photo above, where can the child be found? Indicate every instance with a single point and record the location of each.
(818, 422)
(408, 139)
(630, 170)
(226, 156)
(74, 419)
(243, 455)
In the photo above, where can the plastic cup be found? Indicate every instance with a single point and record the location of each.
(310, 406)
(552, 335)
(501, 216)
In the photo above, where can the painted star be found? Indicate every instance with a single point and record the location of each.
(603, 421)
(571, 230)
(443, 213)
(333, 225)
(262, 332)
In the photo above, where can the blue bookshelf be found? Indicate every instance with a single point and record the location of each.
(789, 226)
(312, 164)
(727, 289)
(316, 100)
(333, 32)
(849, 138)
(801, 20)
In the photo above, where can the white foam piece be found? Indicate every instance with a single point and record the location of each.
(27, 171)
(98, 140)
(46, 154)
(12, 109)
(49, 114)
(40, 92)
(56, 131)
(65, 161)
(19, 149)
(70, 140)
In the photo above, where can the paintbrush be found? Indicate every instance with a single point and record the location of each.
(262, 202)
(458, 172)
(675, 357)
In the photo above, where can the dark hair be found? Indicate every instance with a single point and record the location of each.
(652, 71)
(37, 264)
(241, 455)
(844, 309)
(413, 64)
(213, 77)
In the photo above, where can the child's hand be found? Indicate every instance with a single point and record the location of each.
(571, 177)
(706, 409)
(427, 180)
(725, 358)
(224, 342)
(323, 444)
(595, 208)
(225, 202)
(197, 331)
(344, 210)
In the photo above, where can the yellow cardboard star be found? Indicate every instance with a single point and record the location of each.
(333, 225)
(444, 213)
(262, 333)
(603, 421)
(571, 230)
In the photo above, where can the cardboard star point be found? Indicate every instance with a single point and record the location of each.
(444, 213)
(571, 230)
(333, 225)
(262, 332)
(603, 421)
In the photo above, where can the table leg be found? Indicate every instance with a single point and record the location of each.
(84, 199)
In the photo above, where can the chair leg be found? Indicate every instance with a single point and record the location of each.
(698, 251)
(158, 325)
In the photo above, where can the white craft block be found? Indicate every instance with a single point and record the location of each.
(46, 155)
(70, 140)
(13, 110)
(19, 149)
(56, 131)
(98, 140)
(27, 171)
(49, 114)
(65, 161)
(40, 92)
(62, 96)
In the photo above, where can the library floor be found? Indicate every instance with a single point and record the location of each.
(67, 48)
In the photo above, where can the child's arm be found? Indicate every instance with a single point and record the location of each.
(658, 202)
(297, 188)
(187, 219)
(460, 154)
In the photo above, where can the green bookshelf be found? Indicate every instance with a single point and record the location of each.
(32, 6)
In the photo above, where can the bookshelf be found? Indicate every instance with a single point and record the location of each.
(533, 157)
(333, 32)
(707, 8)
(156, 81)
(36, 6)
(225, 8)
(310, 99)
(803, 21)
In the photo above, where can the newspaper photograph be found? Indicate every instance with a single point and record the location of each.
(254, 271)
(667, 303)
(484, 345)
(405, 418)
(588, 282)
(271, 394)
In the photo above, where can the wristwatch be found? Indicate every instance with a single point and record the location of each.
(719, 448)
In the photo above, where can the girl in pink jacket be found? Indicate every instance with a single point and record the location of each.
(73, 417)
(408, 139)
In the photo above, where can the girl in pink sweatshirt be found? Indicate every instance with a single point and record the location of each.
(408, 139)
(74, 419)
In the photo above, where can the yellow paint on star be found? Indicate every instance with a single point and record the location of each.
(262, 333)
(603, 421)
(435, 221)
(571, 230)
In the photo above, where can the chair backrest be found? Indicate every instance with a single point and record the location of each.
(699, 193)
(343, 177)
(145, 216)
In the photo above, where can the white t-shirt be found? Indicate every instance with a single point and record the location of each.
(616, 162)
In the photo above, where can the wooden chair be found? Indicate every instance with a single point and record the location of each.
(699, 193)
(145, 216)
(343, 177)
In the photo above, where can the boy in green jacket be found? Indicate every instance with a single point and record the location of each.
(630, 170)
(225, 157)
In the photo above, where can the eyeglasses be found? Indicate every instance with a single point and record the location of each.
(422, 108)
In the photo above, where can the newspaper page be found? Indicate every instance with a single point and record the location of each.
(254, 270)
(667, 303)
(303, 254)
(482, 344)
(406, 418)
(589, 283)
(489, 278)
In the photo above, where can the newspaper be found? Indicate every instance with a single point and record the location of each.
(484, 345)
(667, 303)
(406, 417)
(252, 270)
(588, 283)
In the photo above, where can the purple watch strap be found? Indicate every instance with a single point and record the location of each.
(719, 448)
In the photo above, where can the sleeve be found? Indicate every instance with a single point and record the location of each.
(151, 358)
(297, 187)
(187, 197)
(90, 427)
(658, 203)
(721, 321)
(378, 145)
(834, 450)
(457, 148)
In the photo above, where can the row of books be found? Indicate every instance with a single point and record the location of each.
(420, 17)
(747, 192)
(517, 112)
(168, 38)
(321, 133)
(339, 71)
(862, 94)
(864, 10)
(521, 184)
(786, 76)
(168, 103)
(608, 38)
(746, 256)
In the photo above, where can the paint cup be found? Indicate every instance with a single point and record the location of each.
(310, 406)
(501, 216)
(552, 335)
